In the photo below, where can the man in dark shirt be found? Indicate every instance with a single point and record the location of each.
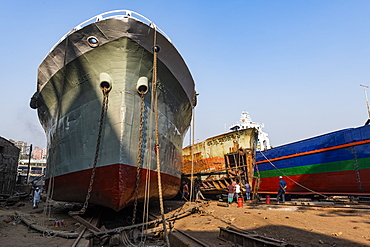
(231, 191)
(281, 191)
(185, 191)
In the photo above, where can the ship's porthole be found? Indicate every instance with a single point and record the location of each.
(93, 42)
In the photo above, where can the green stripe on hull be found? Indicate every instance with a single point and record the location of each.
(346, 165)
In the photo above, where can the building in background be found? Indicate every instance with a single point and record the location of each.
(37, 170)
(39, 154)
(37, 164)
(24, 149)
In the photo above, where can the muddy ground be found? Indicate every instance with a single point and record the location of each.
(296, 225)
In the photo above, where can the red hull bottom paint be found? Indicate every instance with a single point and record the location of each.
(325, 183)
(114, 186)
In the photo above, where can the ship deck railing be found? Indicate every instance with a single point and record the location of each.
(114, 14)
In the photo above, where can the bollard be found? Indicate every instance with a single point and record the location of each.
(268, 199)
(240, 202)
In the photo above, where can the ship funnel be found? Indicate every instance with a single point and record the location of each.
(105, 81)
(142, 85)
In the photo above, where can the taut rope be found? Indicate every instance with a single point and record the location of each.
(157, 147)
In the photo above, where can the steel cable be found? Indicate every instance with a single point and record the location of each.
(292, 179)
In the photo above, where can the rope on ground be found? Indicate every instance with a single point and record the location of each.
(168, 218)
(46, 231)
(126, 240)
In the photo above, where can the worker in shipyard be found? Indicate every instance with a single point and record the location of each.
(237, 190)
(36, 197)
(281, 191)
(231, 191)
(197, 183)
(185, 191)
(247, 187)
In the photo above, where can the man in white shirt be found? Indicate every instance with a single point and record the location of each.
(237, 190)
(36, 197)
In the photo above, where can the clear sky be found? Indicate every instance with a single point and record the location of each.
(295, 66)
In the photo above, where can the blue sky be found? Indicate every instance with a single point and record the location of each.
(295, 66)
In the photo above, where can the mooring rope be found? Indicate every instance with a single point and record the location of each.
(148, 162)
(157, 146)
(50, 191)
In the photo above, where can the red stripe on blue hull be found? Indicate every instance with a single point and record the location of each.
(114, 186)
(340, 183)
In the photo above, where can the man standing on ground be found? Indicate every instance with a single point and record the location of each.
(185, 191)
(247, 187)
(237, 190)
(36, 197)
(281, 191)
(230, 195)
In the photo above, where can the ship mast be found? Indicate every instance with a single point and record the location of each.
(367, 103)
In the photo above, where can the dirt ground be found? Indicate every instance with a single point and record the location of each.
(296, 225)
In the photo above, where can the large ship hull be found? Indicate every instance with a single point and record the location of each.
(337, 163)
(113, 187)
(69, 102)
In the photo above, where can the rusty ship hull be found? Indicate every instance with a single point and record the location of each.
(220, 160)
(118, 51)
